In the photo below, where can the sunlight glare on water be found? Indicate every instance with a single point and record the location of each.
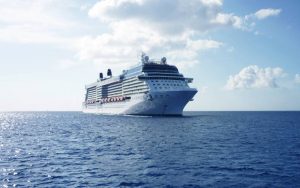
(67, 149)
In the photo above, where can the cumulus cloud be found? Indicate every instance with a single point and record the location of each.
(169, 16)
(297, 78)
(169, 27)
(119, 49)
(172, 28)
(161, 28)
(265, 13)
(254, 77)
(228, 20)
(128, 37)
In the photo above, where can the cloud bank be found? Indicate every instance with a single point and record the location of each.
(255, 77)
(157, 27)
(168, 16)
(169, 27)
(172, 28)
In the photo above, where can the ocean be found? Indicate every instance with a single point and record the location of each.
(200, 149)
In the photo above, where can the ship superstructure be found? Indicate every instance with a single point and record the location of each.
(150, 88)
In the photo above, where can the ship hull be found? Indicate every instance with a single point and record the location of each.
(153, 103)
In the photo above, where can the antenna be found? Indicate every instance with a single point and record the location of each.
(139, 53)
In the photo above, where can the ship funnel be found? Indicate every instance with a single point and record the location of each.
(164, 60)
(109, 73)
(101, 75)
(146, 58)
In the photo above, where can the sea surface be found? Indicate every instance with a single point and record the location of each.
(200, 149)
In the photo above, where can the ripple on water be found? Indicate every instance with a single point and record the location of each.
(203, 149)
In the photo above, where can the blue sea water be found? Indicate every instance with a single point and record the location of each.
(200, 149)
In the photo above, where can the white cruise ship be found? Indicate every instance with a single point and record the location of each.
(150, 88)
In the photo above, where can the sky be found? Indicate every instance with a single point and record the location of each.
(243, 55)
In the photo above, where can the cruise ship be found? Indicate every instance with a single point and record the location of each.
(153, 87)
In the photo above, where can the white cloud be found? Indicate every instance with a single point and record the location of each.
(255, 77)
(187, 55)
(172, 28)
(297, 78)
(249, 21)
(122, 48)
(229, 20)
(169, 16)
(203, 44)
(33, 21)
(28, 12)
(160, 28)
(264, 13)
(169, 27)
(212, 2)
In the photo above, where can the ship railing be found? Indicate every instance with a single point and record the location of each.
(162, 77)
(163, 74)
(155, 61)
(189, 80)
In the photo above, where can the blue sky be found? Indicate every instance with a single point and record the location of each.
(243, 55)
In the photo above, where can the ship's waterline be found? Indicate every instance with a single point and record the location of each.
(156, 103)
(150, 88)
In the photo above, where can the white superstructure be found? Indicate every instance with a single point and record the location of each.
(151, 88)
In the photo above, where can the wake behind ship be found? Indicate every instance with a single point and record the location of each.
(151, 88)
